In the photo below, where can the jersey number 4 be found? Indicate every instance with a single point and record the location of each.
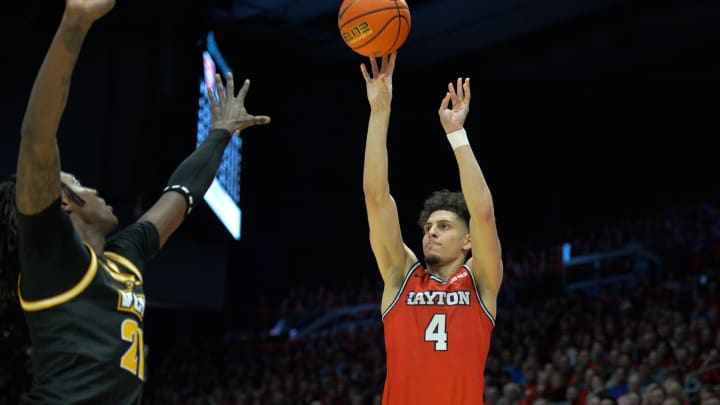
(436, 332)
(134, 358)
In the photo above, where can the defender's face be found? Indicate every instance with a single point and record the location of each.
(444, 237)
(87, 204)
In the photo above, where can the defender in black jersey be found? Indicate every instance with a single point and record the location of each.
(78, 279)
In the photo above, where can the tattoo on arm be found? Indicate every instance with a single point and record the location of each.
(38, 184)
(38, 172)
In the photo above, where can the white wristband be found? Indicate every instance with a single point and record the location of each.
(458, 138)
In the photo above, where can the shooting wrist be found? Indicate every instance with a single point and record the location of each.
(380, 108)
(76, 22)
(458, 138)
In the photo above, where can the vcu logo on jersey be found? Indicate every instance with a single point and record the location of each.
(128, 301)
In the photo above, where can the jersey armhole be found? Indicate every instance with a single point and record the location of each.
(409, 274)
(477, 294)
(45, 303)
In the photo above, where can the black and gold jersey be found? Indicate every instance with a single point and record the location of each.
(84, 310)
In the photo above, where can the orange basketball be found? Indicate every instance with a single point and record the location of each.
(374, 27)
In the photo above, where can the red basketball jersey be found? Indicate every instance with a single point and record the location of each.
(437, 337)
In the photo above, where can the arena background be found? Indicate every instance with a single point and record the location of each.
(581, 113)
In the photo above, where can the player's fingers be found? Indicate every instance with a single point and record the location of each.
(211, 96)
(466, 89)
(244, 90)
(451, 90)
(373, 64)
(220, 89)
(262, 119)
(444, 103)
(460, 88)
(391, 62)
(230, 84)
(364, 71)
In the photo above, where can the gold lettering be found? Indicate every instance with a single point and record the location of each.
(357, 32)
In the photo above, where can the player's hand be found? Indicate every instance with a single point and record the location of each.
(453, 117)
(228, 111)
(379, 85)
(88, 11)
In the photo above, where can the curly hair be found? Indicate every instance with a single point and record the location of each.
(445, 199)
(8, 241)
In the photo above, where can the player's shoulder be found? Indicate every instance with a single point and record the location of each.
(138, 231)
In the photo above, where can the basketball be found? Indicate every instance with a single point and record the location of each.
(374, 27)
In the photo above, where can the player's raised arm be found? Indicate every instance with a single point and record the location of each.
(193, 176)
(486, 262)
(392, 256)
(38, 166)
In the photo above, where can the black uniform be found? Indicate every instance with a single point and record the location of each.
(84, 312)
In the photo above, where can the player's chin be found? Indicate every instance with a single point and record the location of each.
(111, 222)
(432, 259)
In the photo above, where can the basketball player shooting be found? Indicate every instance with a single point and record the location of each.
(80, 282)
(438, 315)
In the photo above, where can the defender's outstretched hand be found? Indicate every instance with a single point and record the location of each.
(228, 110)
(453, 118)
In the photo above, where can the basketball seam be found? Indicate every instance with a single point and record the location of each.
(343, 11)
(371, 12)
(397, 34)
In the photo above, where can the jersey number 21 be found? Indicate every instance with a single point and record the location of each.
(134, 358)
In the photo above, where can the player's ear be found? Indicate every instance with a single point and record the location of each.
(467, 243)
(65, 202)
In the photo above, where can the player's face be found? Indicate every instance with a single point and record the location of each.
(445, 236)
(87, 204)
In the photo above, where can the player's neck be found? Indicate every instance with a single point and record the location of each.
(95, 240)
(445, 270)
(98, 246)
(90, 233)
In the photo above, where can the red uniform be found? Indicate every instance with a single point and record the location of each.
(437, 337)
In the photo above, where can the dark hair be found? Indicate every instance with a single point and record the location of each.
(72, 194)
(444, 200)
(8, 241)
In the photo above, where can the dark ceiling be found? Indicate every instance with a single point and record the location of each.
(559, 36)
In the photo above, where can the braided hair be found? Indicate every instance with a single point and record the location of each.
(8, 241)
